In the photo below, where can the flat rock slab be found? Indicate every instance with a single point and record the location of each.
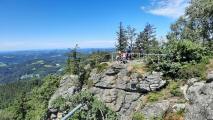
(155, 110)
(200, 105)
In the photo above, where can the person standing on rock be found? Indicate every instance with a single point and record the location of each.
(124, 56)
(141, 52)
(129, 51)
(118, 56)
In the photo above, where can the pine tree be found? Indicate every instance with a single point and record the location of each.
(121, 39)
(131, 35)
(146, 39)
(73, 62)
(75, 67)
(139, 43)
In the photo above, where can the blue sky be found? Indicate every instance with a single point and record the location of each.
(50, 24)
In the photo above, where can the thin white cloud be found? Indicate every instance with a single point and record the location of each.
(168, 8)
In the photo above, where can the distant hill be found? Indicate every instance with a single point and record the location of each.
(28, 64)
(24, 65)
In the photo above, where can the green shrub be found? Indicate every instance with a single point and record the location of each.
(101, 67)
(184, 59)
(59, 103)
(154, 96)
(157, 118)
(96, 109)
(174, 88)
(184, 51)
(97, 57)
(205, 59)
(39, 97)
(192, 70)
(7, 114)
(169, 69)
(138, 116)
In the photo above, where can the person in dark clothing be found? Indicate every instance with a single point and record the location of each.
(141, 52)
(129, 51)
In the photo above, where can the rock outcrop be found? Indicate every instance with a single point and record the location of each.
(210, 76)
(68, 86)
(179, 107)
(119, 87)
(155, 110)
(200, 106)
(122, 90)
(152, 82)
(119, 77)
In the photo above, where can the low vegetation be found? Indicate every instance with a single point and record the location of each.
(138, 116)
(95, 109)
(210, 65)
(172, 90)
(183, 60)
(101, 67)
(179, 115)
(32, 105)
(139, 67)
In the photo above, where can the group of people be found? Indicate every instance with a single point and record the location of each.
(124, 56)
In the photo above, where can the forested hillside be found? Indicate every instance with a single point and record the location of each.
(11, 91)
(25, 65)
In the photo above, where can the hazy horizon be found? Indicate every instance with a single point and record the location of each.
(50, 49)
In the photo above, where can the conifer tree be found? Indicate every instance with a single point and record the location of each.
(139, 42)
(146, 39)
(131, 35)
(121, 38)
(73, 62)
